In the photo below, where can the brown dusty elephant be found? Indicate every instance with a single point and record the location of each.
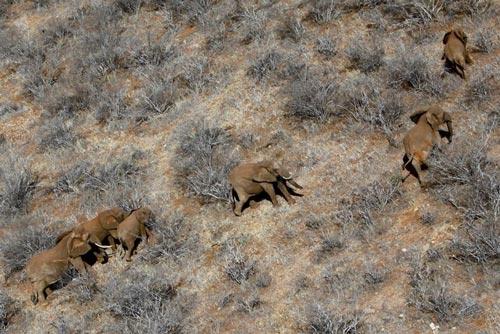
(250, 179)
(47, 267)
(420, 140)
(455, 51)
(102, 227)
(133, 227)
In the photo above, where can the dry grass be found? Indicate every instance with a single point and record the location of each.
(151, 103)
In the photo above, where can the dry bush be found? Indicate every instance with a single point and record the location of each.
(237, 266)
(478, 242)
(321, 320)
(56, 134)
(128, 6)
(366, 202)
(23, 242)
(8, 308)
(160, 96)
(364, 100)
(481, 86)
(430, 293)
(173, 239)
(67, 104)
(145, 302)
(472, 8)
(485, 41)
(326, 47)
(204, 157)
(416, 12)
(411, 69)
(17, 187)
(325, 11)
(99, 178)
(194, 11)
(467, 179)
(83, 288)
(266, 65)
(293, 29)
(366, 56)
(312, 99)
(252, 23)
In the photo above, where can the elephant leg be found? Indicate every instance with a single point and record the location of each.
(242, 199)
(468, 58)
(48, 291)
(39, 292)
(268, 188)
(418, 170)
(144, 234)
(78, 263)
(284, 191)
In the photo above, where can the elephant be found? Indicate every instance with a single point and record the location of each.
(48, 266)
(102, 227)
(455, 51)
(250, 179)
(132, 228)
(425, 135)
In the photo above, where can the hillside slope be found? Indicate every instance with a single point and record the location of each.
(150, 103)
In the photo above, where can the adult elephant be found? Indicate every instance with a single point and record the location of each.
(102, 227)
(250, 179)
(423, 137)
(47, 267)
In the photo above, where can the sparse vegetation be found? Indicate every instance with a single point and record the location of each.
(431, 294)
(312, 99)
(7, 310)
(150, 103)
(24, 242)
(145, 302)
(323, 321)
(410, 69)
(204, 158)
(17, 187)
(367, 57)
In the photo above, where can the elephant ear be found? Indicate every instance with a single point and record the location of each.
(417, 114)
(78, 245)
(264, 175)
(446, 36)
(461, 36)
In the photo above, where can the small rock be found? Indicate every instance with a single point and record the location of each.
(404, 250)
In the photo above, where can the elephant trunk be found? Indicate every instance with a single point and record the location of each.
(295, 184)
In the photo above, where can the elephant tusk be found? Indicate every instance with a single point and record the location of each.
(295, 184)
(287, 178)
(101, 246)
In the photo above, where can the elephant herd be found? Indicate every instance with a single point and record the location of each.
(48, 266)
(247, 180)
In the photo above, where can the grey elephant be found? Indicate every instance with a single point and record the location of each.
(48, 266)
(250, 179)
(425, 135)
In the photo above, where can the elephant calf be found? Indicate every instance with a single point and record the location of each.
(251, 179)
(47, 267)
(455, 51)
(132, 228)
(420, 140)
